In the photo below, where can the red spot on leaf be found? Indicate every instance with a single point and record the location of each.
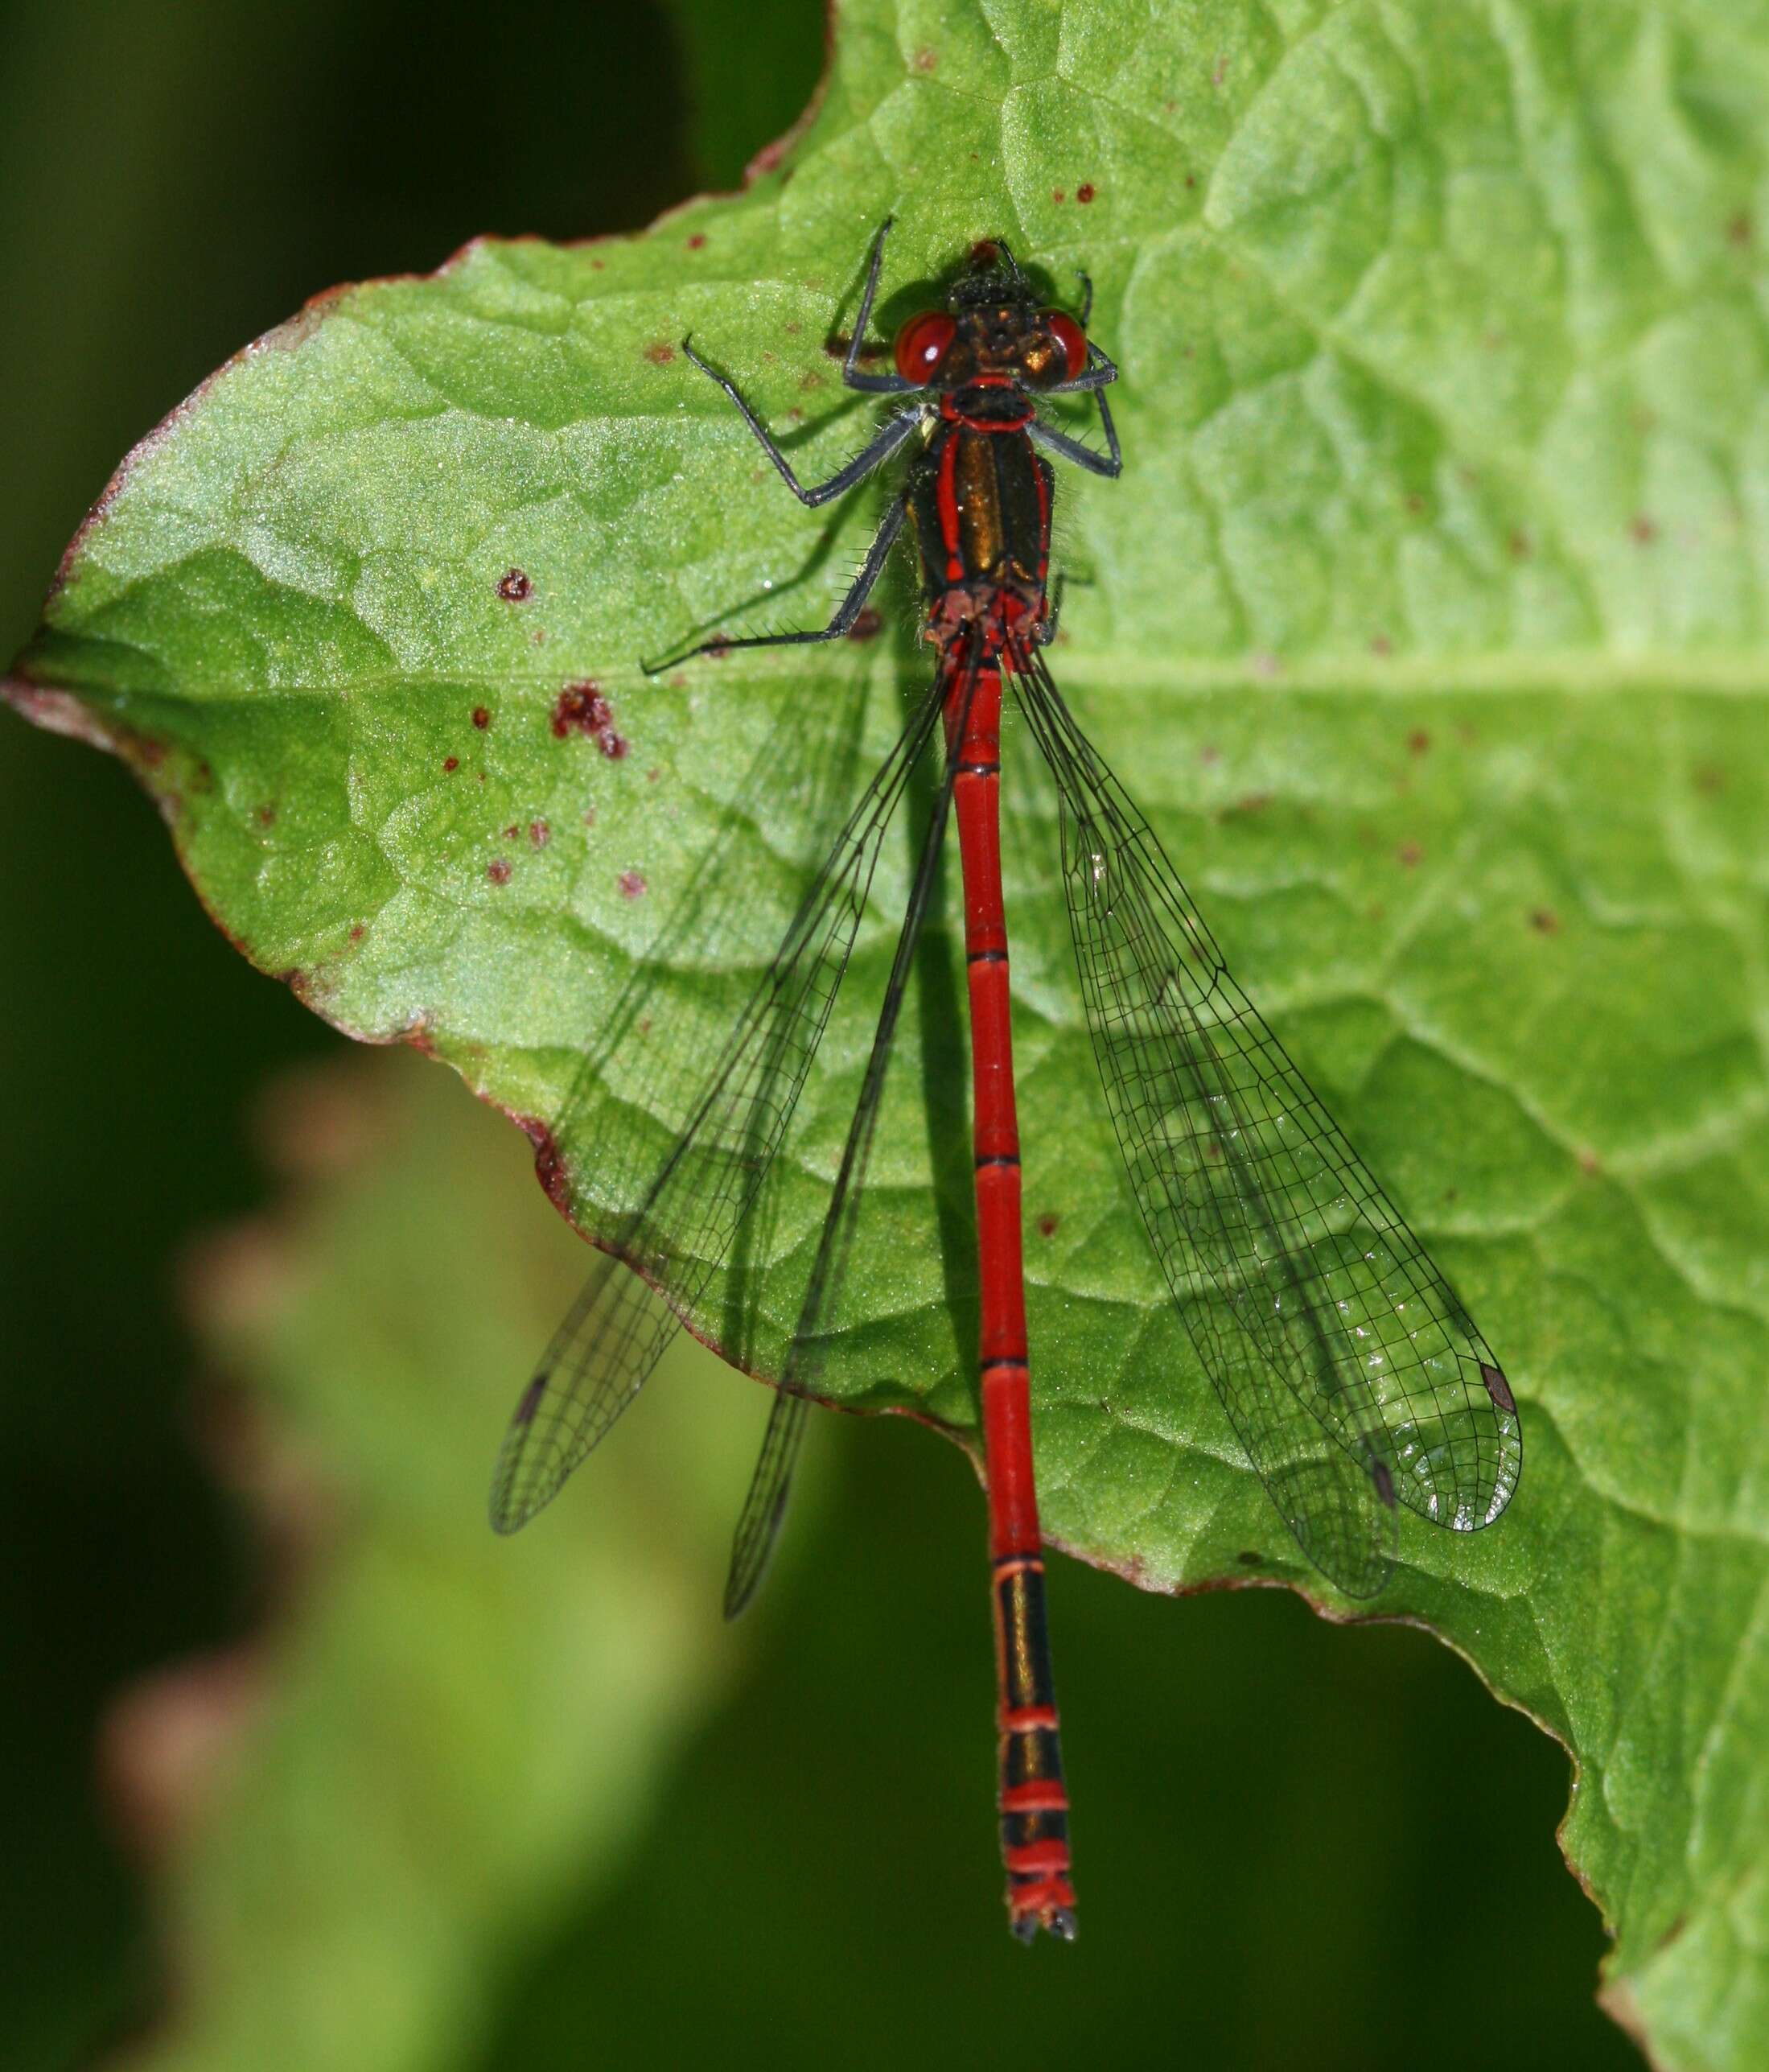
(1084, 191)
(1047, 1226)
(515, 587)
(498, 870)
(583, 706)
(450, 765)
(1643, 531)
(510, 832)
(1419, 741)
(1381, 644)
(659, 353)
(1058, 195)
(865, 627)
(540, 833)
(1411, 855)
(481, 717)
(549, 1165)
(925, 60)
(1545, 921)
(632, 885)
(697, 240)
(357, 933)
(267, 815)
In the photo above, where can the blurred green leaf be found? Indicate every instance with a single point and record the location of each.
(440, 1736)
(1425, 622)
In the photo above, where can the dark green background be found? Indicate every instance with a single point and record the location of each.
(1299, 1845)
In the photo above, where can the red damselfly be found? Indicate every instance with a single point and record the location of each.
(1353, 1376)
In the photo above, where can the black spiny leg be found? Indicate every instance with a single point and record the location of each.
(1111, 462)
(872, 384)
(880, 449)
(845, 612)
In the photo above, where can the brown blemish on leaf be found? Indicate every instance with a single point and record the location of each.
(582, 706)
(540, 833)
(632, 885)
(514, 587)
(660, 352)
(450, 765)
(1643, 530)
(1419, 741)
(865, 626)
(1085, 191)
(1545, 921)
(925, 61)
(1411, 855)
(1047, 1226)
(357, 932)
(163, 1744)
(1058, 195)
(267, 816)
(498, 870)
(549, 1163)
(482, 718)
(697, 241)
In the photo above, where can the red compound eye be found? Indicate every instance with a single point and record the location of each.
(1070, 340)
(922, 343)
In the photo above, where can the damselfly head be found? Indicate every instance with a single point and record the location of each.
(993, 329)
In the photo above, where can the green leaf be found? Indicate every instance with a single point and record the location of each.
(1425, 622)
(442, 1738)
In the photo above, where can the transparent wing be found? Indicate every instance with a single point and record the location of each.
(684, 1226)
(1314, 1310)
(758, 1526)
